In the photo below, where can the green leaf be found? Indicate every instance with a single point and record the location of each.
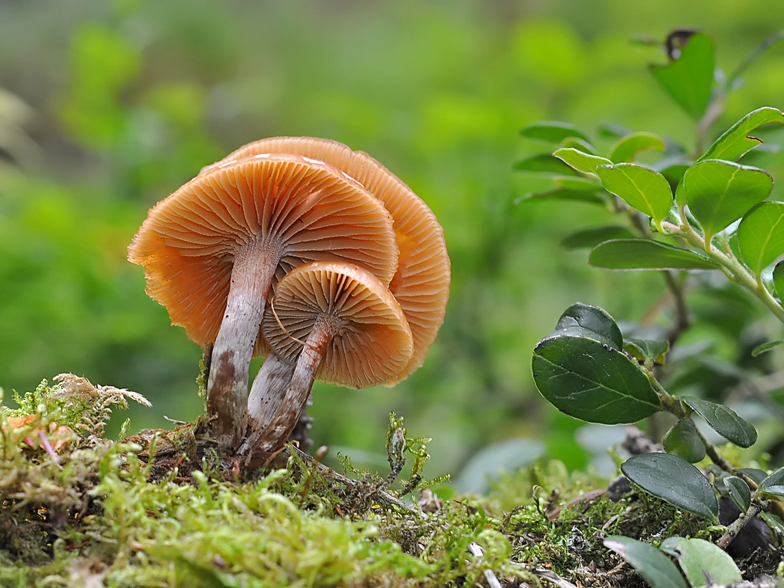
(582, 162)
(655, 567)
(689, 78)
(640, 187)
(674, 480)
(544, 163)
(773, 522)
(589, 238)
(644, 254)
(774, 483)
(588, 379)
(579, 145)
(739, 492)
(578, 183)
(552, 131)
(626, 148)
(672, 168)
(760, 349)
(761, 235)
(684, 441)
(724, 421)
(700, 560)
(778, 279)
(720, 192)
(647, 350)
(755, 474)
(736, 140)
(592, 318)
(560, 194)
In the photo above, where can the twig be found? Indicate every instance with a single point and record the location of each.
(744, 519)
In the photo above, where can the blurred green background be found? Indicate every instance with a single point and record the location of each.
(108, 106)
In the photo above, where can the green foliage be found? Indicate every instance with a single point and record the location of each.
(653, 565)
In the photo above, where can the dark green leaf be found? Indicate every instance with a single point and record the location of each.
(544, 163)
(589, 238)
(582, 162)
(755, 474)
(720, 192)
(739, 492)
(644, 254)
(724, 421)
(672, 168)
(778, 279)
(613, 130)
(655, 567)
(640, 187)
(761, 235)
(592, 318)
(647, 350)
(700, 560)
(689, 78)
(674, 480)
(626, 148)
(589, 380)
(774, 483)
(566, 195)
(765, 347)
(736, 140)
(684, 441)
(552, 131)
(669, 545)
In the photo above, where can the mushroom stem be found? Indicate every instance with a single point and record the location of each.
(277, 430)
(251, 278)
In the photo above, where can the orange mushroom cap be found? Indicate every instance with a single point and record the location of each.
(314, 211)
(372, 340)
(421, 284)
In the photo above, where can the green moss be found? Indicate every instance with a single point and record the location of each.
(161, 509)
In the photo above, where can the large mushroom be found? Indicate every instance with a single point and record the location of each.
(421, 283)
(213, 249)
(339, 323)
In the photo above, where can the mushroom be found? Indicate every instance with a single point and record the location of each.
(212, 250)
(421, 283)
(340, 324)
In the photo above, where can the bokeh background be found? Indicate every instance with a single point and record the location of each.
(108, 106)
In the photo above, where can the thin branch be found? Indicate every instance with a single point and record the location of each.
(744, 519)
(751, 57)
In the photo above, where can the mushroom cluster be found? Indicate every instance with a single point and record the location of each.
(305, 252)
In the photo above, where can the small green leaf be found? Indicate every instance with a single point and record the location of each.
(582, 162)
(544, 163)
(761, 235)
(552, 131)
(669, 544)
(773, 522)
(579, 145)
(672, 168)
(588, 379)
(674, 480)
(560, 194)
(755, 474)
(739, 492)
(592, 318)
(736, 140)
(589, 238)
(774, 483)
(578, 183)
(704, 563)
(626, 148)
(778, 279)
(760, 349)
(689, 78)
(684, 441)
(655, 567)
(724, 421)
(647, 350)
(644, 254)
(640, 187)
(720, 192)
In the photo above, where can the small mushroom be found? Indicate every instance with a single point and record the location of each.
(421, 283)
(340, 324)
(213, 249)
